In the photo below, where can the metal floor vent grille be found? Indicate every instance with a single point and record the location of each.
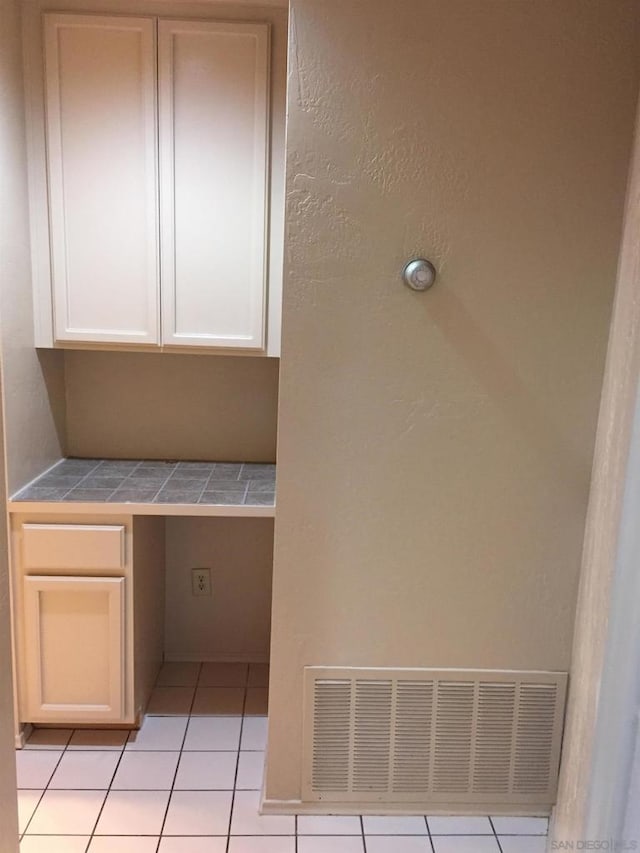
(424, 735)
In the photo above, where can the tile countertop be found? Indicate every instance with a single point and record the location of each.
(116, 481)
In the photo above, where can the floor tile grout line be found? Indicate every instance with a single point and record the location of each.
(28, 823)
(188, 790)
(173, 717)
(364, 837)
(495, 834)
(235, 778)
(46, 787)
(175, 775)
(431, 844)
(106, 795)
(197, 684)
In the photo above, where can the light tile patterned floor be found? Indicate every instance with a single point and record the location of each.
(189, 782)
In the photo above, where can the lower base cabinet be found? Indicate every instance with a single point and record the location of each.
(88, 610)
(74, 633)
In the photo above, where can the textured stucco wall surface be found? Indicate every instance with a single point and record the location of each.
(435, 450)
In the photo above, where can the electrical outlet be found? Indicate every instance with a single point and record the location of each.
(201, 581)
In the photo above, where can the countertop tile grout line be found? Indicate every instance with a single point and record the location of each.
(206, 485)
(204, 489)
(131, 483)
(80, 482)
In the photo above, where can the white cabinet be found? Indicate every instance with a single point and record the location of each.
(88, 604)
(157, 135)
(100, 85)
(213, 177)
(74, 641)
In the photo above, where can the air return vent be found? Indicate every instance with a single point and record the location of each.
(432, 736)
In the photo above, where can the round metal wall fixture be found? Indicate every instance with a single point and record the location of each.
(419, 274)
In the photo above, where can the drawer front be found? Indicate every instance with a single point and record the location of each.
(73, 546)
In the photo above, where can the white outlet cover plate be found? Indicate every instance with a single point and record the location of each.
(201, 582)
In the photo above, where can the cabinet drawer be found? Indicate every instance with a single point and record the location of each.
(73, 546)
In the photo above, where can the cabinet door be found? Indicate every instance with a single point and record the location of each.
(74, 649)
(213, 95)
(102, 164)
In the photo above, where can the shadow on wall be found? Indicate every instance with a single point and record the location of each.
(506, 389)
(52, 368)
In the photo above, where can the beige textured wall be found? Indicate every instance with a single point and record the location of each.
(14, 273)
(234, 623)
(34, 382)
(152, 405)
(435, 450)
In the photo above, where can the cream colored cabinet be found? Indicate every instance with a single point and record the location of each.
(74, 642)
(88, 598)
(213, 170)
(100, 82)
(157, 134)
(74, 547)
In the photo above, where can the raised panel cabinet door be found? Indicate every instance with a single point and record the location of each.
(73, 649)
(213, 103)
(100, 85)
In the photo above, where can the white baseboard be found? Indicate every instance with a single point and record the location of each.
(289, 807)
(22, 736)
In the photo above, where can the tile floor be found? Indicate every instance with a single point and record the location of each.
(189, 782)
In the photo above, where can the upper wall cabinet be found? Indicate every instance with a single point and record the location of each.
(157, 163)
(213, 182)
(101, 142)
